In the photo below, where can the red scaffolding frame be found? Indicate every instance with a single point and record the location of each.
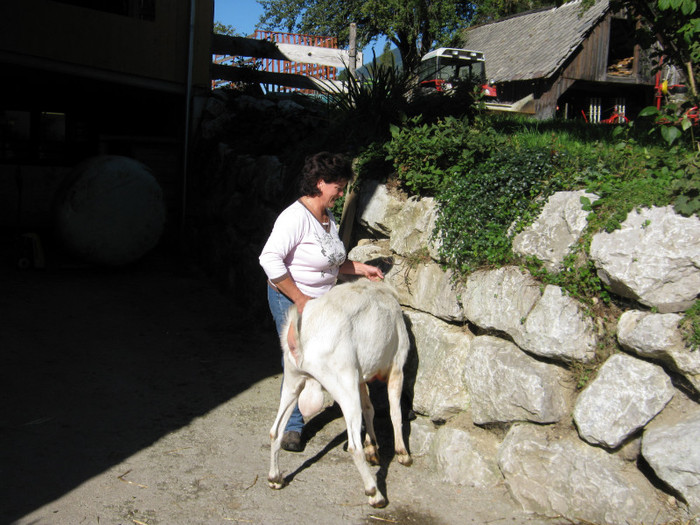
(297, 68)
(285, 66)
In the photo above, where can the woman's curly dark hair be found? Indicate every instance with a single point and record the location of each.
(325, 166)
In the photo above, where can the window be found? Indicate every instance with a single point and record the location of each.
(621, 52)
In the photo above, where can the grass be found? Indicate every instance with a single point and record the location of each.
(690, 327)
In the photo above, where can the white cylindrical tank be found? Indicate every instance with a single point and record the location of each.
(110, 210)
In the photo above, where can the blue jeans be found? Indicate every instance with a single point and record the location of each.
(279, 304)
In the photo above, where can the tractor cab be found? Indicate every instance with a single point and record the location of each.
(442, 69)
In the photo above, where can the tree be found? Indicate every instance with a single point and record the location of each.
(413, 26)
(676, 25)
(223, 29)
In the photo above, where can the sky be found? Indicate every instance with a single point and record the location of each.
(243, 15)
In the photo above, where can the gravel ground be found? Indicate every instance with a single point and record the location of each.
(145, 396)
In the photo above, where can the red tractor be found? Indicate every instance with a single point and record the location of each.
(442, 69)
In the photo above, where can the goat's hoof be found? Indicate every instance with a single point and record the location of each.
(276, 482)
(372, 457)
(377, 501)
(291, 441)
(405, 459)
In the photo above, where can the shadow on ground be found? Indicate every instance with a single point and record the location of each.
(98, 364)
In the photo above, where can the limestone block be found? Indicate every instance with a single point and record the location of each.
(500, 299)
(370, 251)
(462, 460)
(558, 328)
(508, 385)
(428, 288)
(260, 176)
(673, 451)
(556, 230)
(656, 336)
(254, 103)
(553, 475)
(413, 227)
(441, 350)
(421, 437)
(216, 103)
(625, 396)
(653, 258)
(377, 208)
(289, 106)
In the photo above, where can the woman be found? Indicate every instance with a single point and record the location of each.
(303, 255)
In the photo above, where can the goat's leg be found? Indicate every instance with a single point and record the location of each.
(345, 392)
(394, 388)
(291, 387)
(370, 444)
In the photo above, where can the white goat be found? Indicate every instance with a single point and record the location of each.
(349, 336)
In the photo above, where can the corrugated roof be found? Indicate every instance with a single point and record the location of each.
(533, 45)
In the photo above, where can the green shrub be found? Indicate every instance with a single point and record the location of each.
(578, 277)
(461, 102)
(424, 154)
(686, 186)
(481, 202)
(630, 177)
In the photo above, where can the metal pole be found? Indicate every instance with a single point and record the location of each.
(188, 120)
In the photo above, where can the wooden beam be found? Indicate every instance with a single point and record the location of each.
(324, 56)
(250, 47)
(237, 74)
(239, 46)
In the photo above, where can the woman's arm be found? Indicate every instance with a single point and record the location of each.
(357, 268)
(285, 236)
(289, 288)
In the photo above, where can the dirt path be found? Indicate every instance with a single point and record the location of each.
(146, 396)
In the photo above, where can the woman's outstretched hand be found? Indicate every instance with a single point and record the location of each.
(373, 273)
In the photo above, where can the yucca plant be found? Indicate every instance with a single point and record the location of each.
(371, 103)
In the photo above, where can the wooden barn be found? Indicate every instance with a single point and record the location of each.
(81, 78)
(570, 62)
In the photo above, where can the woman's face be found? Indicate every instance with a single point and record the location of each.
(331, 191)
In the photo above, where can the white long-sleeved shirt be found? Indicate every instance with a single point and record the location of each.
(301, 248)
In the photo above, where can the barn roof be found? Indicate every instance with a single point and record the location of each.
(535, 44)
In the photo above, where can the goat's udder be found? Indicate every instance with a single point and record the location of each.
(311, 398)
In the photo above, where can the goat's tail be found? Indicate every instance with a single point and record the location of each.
(293, 330)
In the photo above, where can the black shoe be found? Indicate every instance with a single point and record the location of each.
(292, 441)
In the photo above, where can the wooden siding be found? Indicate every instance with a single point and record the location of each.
(590, 62)
(43, 30)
